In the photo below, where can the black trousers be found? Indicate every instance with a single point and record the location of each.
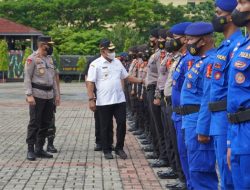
(52, 128)
(158, 131)
(98, 139)
(41, 116)
(106, 114)
(171, 140)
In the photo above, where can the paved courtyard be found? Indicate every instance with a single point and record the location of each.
(76, 165)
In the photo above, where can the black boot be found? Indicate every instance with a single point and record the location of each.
(31, 154)
(40, 153)
(50, 146)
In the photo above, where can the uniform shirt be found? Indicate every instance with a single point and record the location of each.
(169, 81)
(163, 70)
(238, 97)
(219, 82)
(40, 70)
(192, 89)
(184, 65)
(107, 77)
(152, 71)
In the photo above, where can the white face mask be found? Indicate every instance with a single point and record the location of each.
(111, 56)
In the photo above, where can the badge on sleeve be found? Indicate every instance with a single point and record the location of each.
(29, 61)
(190, 76)
(209, 71)
(189, 85)
(240, 78)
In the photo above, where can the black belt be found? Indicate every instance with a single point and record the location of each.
(185, 110)
(239, 117)
(177, 109)
(41, 87)
(218, 106)
(151, 87)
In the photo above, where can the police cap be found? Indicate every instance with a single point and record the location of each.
(226, 5)
(179, 29)
(199, 29)
(106, 43)
(45, 39)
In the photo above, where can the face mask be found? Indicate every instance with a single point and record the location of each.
(219, 22)
(139, 55)
(173, 45)
(161, 44)
(111, 56)
(193, 49)
(240, 19)
(49, 50)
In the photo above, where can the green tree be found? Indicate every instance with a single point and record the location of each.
(27, 52)
(4, 59)
(81, 65)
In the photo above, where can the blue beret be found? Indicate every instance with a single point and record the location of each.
(226, 5)
(180, 28)
(199, 29)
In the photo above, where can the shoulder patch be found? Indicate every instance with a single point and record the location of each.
(28, 60)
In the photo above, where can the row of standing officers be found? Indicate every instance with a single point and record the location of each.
(193, 109)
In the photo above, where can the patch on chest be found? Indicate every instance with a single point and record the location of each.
(217, 65)
(240, 64)
(240, 78)
(217, 75)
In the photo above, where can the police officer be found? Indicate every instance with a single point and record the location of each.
(180, 65)
(201, 155)
(238, 102)
(40, 89)
(222, 22)
(155, 110)
(52, 128)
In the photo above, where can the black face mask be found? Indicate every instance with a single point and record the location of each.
(173, 45)
(145, 56)
(49, 50)
(139, 55)
(219, 23)
(240, 19)
(161, 44)
(193, 49)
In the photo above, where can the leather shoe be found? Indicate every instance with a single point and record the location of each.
(121, 153)
(98, 147)
(42, 154)
(159, 163)
(51, 148)
(31, 156)
(131, 129)
(138, 132)
(151, 155)
(108, 155)
(148, 148)
(167, 175)
(145, 142)
(177, 186)
(143, 136)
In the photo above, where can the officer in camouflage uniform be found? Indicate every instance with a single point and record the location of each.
(41, 90)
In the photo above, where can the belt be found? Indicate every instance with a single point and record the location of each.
(41, 87)
(177, 109)
(239, 117)
(218, 106)
(185, 110)
(151, 87)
